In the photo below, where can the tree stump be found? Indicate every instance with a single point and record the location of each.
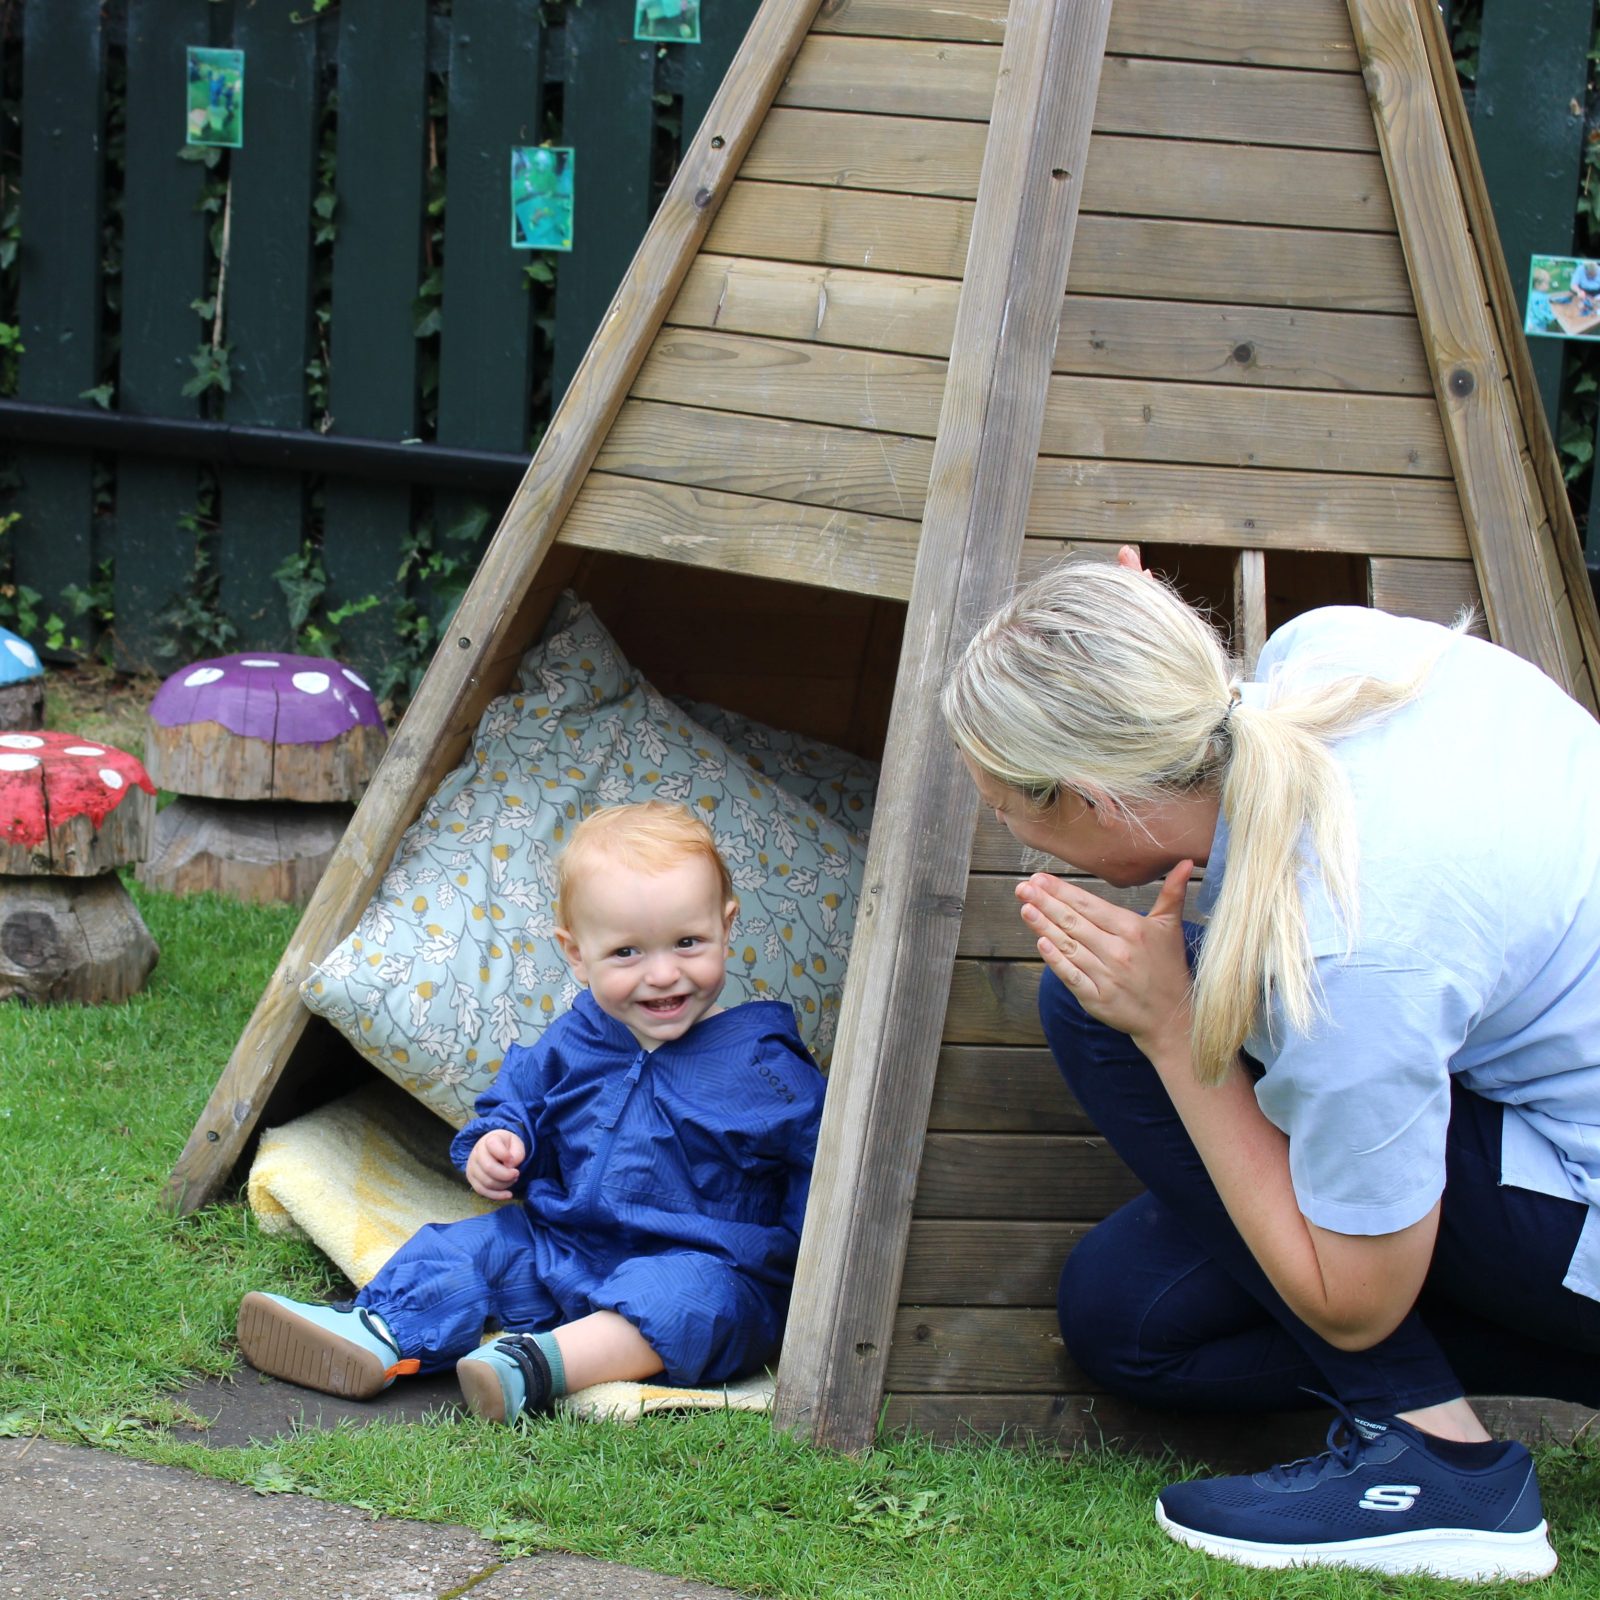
(21, 684)
(71, 812)
(268, 755)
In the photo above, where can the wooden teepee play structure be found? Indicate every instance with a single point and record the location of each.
(938, 293)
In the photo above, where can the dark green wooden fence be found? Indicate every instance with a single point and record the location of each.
(414, 106)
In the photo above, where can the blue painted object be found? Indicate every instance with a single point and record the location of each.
(19, 661)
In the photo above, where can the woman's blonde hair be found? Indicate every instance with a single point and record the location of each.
(647, 835)
(1104, 682)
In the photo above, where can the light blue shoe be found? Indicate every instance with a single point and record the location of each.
(341, 1350)
(500, 1381)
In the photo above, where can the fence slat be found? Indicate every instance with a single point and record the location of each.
(376, 272)
(268, 313)
(1527, 121)
(608, 114)
(163, 271)
(59, 286)
(704, 65)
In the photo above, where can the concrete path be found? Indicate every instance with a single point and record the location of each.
(82, 1524)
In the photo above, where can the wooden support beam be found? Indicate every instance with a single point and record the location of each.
(482, 652)
(842, 1315)
(1457, 331)
(1249, 606)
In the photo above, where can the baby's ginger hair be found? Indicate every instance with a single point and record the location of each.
(1104, 682)
(648, 836)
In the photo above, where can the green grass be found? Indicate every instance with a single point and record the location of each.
(109, 1305)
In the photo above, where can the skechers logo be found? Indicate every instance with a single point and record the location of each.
(1390, 1497)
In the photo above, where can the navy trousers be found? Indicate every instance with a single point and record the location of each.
(1164, 1304)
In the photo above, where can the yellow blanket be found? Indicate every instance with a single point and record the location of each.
(360, 1175)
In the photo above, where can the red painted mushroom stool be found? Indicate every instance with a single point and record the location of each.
(71, 812)
(268, 755)
(21, 684)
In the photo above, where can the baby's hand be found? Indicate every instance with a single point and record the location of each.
(495, 1161)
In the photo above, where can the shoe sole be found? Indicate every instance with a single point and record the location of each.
(480, 1390)
(283, 1344)
(1460, 1553)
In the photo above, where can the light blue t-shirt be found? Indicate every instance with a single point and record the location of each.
(1476, 948)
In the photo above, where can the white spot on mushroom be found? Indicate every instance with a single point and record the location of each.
(311, 682)
(83, 750)
(9, 763)
(111, 778)
(356, 679)
(202, 675)
(254, 661)
(355, 711)
(24, 652)
(20, 741)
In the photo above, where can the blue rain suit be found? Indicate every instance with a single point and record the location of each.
(667, 1185)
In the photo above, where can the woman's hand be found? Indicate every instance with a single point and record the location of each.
(495, 1161)
(1129, 972)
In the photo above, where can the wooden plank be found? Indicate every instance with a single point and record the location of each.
(163, 273)
(1503, 301)
(1125, 256)
(1026, 1177)
(994, 1090)
(1437, 591)
(991, 926)
(608, 115)
(1113, 501)
(1111, 417)
(58, 290)
(1098, 336)
(885, 474)
(841, 1316)
(377, 265)
(496, 101)
(1129, 176)
(702, 66)
(269, 314)
(1457, 331)
(1249, 607)
(1138, 94)
(938, 1349)
(510, 591)
(739, 533)
(994, 1002)
(988, 1263)
(1310, 33)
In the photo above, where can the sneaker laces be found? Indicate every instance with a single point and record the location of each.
(1348, 1435)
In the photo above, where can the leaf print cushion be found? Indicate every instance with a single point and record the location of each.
(455, 959)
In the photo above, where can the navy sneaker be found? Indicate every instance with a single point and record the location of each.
(1384, 1496)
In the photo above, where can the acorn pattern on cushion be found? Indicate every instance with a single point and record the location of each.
(80, 777)
(271, 696)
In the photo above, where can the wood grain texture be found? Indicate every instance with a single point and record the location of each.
(71, 941)
(1026, 1177)
(847, 1281)
(939, 1349)
(991, 927)
(1249, 607)
(1207, 181)
(1437, 591)
(508, 594)
(989, 1263)
(1451, 301)
(1002, 1090)
(1228, 263)
(1099, 336)
(1115, 501)
(1310, 33)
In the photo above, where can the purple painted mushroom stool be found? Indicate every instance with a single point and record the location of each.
(21, 684)
(268, 754)
(72, 811)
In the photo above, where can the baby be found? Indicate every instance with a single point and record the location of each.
(656, 1147)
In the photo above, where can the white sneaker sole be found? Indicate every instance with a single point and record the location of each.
(1460, 1553)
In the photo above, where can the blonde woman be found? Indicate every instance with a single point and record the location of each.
(1365, 1098)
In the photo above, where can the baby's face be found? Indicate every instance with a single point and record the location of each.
(651, 946)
